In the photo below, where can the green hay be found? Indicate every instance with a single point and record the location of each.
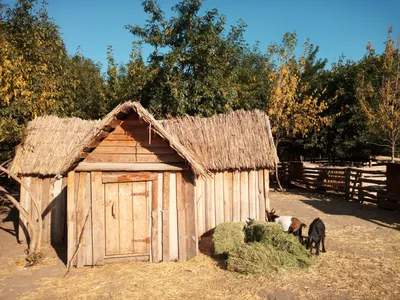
(227, 237)
(267, 249)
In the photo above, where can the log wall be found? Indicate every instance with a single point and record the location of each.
(51, 196)
(231, 196)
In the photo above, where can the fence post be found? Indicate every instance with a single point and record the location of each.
(361, 190)
(347, 173)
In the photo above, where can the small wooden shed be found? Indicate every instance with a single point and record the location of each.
(142, 189)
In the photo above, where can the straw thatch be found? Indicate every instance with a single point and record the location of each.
(237, 140)
(48, 144)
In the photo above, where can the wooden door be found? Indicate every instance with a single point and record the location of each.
(127, 219)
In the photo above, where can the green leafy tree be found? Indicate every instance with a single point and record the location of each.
(379, 93)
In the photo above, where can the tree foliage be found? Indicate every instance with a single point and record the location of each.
(379, 93)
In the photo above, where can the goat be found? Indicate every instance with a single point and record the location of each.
(288, 223)
(316, 235)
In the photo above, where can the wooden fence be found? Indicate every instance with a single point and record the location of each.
(353, 183)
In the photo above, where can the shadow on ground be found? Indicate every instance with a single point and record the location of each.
(336, 205)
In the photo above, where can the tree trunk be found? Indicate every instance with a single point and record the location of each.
(280, 188)
(393, 150)
(36, 246)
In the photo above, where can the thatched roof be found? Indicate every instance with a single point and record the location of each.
(48, 144)
(237, 140)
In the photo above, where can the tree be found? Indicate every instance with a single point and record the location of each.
(293, 110)
(379, 93)
(32, 57)
(193, 66)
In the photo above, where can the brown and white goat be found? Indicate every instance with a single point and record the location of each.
(288, 223)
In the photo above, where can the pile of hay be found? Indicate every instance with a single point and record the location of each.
(261, 248)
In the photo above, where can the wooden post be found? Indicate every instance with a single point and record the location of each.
(80, 219)
(360, 189)
(180, 203)
(244, 196)
(228, 196)
(154, 222)
(190, 215)
(71, 217)
(165, 216)
(266, 189)
(236, 197)
(98, 218)
(347, 173)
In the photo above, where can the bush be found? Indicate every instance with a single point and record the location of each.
(227, 237)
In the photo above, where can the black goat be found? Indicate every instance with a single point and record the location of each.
(316, 235)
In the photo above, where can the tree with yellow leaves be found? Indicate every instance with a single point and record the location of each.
(379, 93)
(292, 109)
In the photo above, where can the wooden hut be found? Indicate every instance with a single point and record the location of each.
(142, 189)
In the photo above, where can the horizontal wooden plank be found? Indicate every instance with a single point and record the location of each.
(163, 149)
(133, 143)
(109, 177)
(377, 181)
(86, 166)
(129, 158)
(368, 171)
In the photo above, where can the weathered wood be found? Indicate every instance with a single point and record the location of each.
(110, 177)
(122, 259)
(219, 198)
(256, 201)
(252, 195)
(85, 166)
(159, 184)
(228, 196)
(98, 218)
(236, 197)
(126, 220)
(165, 221)
(180, 202)
(87, 212)
(261, 196)
(190, 214)
(132, 143)
(142, 241)
(80, 218)
(71, 217)
(266, 189)
(200, 198)
(160, 149)
(209, 204)
(46, 210)
(111, 219)
(154, 222)
(244, 196)
(25, 202)
(131, 158)
(173, 219)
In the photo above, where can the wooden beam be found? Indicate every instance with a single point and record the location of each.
(112, 177)
(154, 222)
(165, 216)
(84, 167)
(181, 207)
(71, 217)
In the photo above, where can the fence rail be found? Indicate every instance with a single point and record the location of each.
(353, 183)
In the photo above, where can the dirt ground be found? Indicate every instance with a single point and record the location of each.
(362, 262)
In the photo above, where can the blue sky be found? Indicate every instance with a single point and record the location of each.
(338, 27)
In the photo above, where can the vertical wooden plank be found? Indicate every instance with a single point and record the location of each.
(56, 220)
(210, 203)
(154, 223)
(125, 218)
(71, 217)
(257, 203)
(180, 202)
(165, 210)
(36, 192)
(266, 189)
(173, 220)
(141, 197)
(228, 196)
(88, 240)
(111, 218)
(23, 226)
(219, 198)
(80, 219)
(244, 195)
(252, 196)
(63, 211)
(190, 214)
(98, 218)
(46, 210)
(261, 199)
(200, 198)
(236, 197)
(159, 184)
